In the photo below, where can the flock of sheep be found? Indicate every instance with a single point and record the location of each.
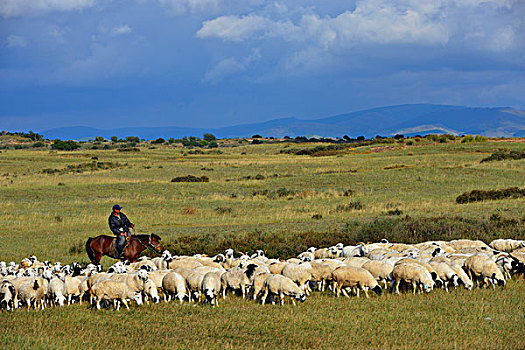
(342, 269)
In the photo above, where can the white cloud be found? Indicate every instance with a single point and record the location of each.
(16, 41)
(421, 22)
(119, 30)
(230, 66)
(11, 8)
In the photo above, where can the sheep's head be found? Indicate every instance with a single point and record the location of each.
(311, 249)
(138, 298)
(499, 280)
(143, 275)
(301, 297)
(60, 300)
(339, 246)
(47, 274)
(228, 253)
(219, 258)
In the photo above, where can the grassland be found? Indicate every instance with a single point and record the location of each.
(405, 193)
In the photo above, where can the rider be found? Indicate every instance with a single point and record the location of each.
(119, 225)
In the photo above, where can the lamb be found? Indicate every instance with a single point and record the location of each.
(446, 273)
(56, 291)
(381, 271)
(237, 279)
(414, 274)
(281, 285)
(114, 290)
(211, 287)
(174, 284)
(33, 292)
(482, 268)
(300, 274)
(354, 277)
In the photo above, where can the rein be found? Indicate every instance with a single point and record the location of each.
(149, 245)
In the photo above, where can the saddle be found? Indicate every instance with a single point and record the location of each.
(113, 247)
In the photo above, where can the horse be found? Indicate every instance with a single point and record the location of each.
(104, 245)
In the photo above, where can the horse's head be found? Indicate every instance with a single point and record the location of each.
(155, 243)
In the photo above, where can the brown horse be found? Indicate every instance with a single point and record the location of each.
(105, 245)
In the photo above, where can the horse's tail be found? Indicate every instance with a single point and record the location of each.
(89, 251)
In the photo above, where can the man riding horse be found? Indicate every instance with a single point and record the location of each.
(120, 225)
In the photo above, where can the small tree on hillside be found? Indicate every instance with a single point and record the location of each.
(114, 138)
(209, 137)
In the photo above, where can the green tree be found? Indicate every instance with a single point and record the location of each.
(209, 137)
(114, 138)
(159, 140)
(65, 145)
(99, 139)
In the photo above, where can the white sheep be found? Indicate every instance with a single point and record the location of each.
(381, 271)
(301, 274)
(174, 284)
(462, 276)
(281, 286)
(194, 282)
(33, 292)
(115, 291)
(237, 279)
(56, 291)
(72, 288)
(506, 245)
(257, 283)
(355, 278)
(445, 273)
(8, 292)
(413, 274)
(481, 267)
(211, 287)
(353, 250)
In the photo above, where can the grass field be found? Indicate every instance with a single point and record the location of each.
(258, 198)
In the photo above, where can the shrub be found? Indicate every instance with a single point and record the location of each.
(481, 195)
(128, 149)
(257, 142)
(223, 210)
(317, 216)
(395, 212)
(355, 205)
(470, 138)
(504, 155)
(78, 248)
(348, 193)
(190, 178)
(209, 137)
(65, 145)
(256, 136)
(160, 140)
(188, 211)
(38, 144)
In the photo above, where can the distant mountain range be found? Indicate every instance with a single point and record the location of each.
(410, 119)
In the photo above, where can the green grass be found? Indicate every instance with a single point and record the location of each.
(421, 181)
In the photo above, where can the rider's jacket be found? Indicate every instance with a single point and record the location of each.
(119, 223)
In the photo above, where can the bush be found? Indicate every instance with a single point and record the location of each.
(395, 212)
(129, 149)
(223, 210)
(65, 145)
(38, 144)
(209, 137)
(504, 155)
(257, 142)
(190, 178)
(356, 205)
(470, 138)
(160, 140)
(481, 195)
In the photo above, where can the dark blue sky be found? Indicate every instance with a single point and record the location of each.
(213, 63)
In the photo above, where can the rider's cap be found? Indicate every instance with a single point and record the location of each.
(117, 207)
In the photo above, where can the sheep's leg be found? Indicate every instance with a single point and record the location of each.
(366, 292)
(263, 297)
(293, 301)
(356, 291)
(243, 290)
(98, 304)
(281, 297)
(125, 303)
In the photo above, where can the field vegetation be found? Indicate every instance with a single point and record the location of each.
(278, 196)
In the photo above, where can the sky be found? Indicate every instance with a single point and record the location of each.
(214, 63)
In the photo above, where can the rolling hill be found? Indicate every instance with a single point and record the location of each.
(409, 119)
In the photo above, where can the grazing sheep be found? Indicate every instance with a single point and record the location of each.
(72, 288)
(187, 262)
(480, 267)
(306, 256)
(300, 274)
(282, 286)
(445, 273)
(257, 283)
(158, 276)
(381, 271)
(115, 291)
(56, 291)
(237, 279)
(174, 284)
(506, 245)
(194, 282)
(356, 278)
(211, 287)
(150, 291)
(276, 268)
(414, 274)
(462, 276)
(351, 251)
(321, 273)
(33, 292)
(355, 261)
(8, 292)
(459, 244)
(438, 281)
